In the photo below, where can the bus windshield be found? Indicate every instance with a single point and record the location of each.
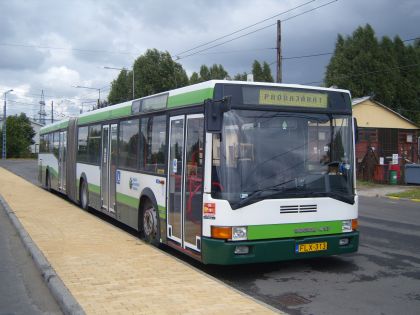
(272, 155)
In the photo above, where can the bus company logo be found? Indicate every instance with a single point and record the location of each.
(133, 183)
(305, 230)
(311, 230)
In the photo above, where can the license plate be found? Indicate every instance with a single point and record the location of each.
(311, 247)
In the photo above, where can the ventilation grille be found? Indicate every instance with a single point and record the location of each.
(298, 209)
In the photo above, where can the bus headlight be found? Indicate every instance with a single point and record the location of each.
(239, 233)
(346, 226)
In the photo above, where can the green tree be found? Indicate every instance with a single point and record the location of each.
(408, 83)
(215, 72)
(267, 73)
(384, 68)
(19, 133)
(262, 73)
(204, 73)
(155, 72)
(257, 71)
(121, 88)
(240, 76)
(357, 54)
(195, 78)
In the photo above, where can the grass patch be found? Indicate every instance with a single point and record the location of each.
(410, 194)
(365, 183)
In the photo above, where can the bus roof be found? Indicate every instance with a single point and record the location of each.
(184, 96)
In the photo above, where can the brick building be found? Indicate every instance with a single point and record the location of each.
(383, 133)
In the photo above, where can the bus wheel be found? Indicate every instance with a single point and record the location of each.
(151, 230)
(84, 195)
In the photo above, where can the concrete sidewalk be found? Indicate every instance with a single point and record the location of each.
(377, 190)
(107, 270)
(381, 190)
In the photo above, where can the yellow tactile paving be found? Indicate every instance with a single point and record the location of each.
(109, 271)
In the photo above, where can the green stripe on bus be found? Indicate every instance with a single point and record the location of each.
(106, 115)
(94, 188)
(134, 203)
(189, 98)
(258, 232)
(128, 200)
(162, 212)
(59, 126)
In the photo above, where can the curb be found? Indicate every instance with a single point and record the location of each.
(399, 198)
(62, 295)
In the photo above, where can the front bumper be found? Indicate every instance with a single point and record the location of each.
(220, 252)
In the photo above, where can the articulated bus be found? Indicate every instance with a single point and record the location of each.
(227, 172)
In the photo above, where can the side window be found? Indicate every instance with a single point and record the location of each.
(82, 144)
(56, 143)
(41, 144)
(153, 144)
(94, 144)
(50, 143)
(128, 143)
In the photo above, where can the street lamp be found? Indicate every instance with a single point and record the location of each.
(91, 88)
(121, 69)
(4, 125)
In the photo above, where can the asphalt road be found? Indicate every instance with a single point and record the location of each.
(22, 290)
(382, 278)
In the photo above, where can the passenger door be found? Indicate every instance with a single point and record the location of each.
(62, 155)
(108, 167)
(185, 187)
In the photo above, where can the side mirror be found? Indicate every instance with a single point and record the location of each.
(213, 111)
(356, 130)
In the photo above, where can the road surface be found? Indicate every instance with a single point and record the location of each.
(382, 278)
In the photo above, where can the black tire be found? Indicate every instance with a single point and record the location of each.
(150, 223)
(84, 195)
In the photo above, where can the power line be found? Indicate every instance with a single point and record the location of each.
(242, 29)
(307, 56)
(252, 32)
(365, 73)
(22, 103)
(236, 51)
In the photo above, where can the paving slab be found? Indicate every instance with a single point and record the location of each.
(109, 271)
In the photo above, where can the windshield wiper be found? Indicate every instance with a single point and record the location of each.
(345, 197)
(288, 193)
(257, 193)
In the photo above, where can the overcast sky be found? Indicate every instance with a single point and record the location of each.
(52, 45)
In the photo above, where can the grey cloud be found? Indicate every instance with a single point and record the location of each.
(174, 26)
(20, 58)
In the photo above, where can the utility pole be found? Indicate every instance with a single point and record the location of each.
(279, 60)
(52, 111)
(4, 125)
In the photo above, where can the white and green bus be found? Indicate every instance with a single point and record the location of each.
(226, 172)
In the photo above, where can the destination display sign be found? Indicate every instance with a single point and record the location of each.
(293, 98)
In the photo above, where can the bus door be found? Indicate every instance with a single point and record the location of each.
(185, 187)
(62, 161)
(108, 167)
